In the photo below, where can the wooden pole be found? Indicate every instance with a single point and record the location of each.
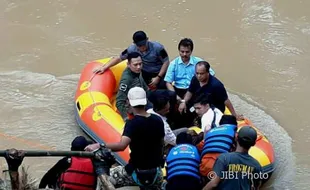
(43, 153)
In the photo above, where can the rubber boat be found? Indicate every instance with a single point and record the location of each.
(97, 115)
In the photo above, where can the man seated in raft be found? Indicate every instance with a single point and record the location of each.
(203, 82)
(183, 165)
(182, 69)
(132, 77)
(144, 134)
(161, 108)
(180, 72)
(154, 56)
(240, 164)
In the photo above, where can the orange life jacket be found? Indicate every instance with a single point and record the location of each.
(80, 175)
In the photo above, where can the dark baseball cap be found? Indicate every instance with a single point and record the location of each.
(79, 143)
(247, 136)
(139, 38)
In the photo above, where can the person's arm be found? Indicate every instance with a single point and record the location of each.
(125, 139)
(163, 55)
(119, 146)
(221, 93)
(230, 107)
(170, 76)
(114, 61)
(121, 96)
(51, 176)
(219, 168)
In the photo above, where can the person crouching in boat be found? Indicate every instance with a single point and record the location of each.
(144, 134)
(237, 170)
(161, 107)
(72, 172)
(183, 165)
(218, 140)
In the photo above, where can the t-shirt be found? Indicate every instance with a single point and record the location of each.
(238, 171)
(146, 134)
(153, 59)
(207, 119)
(214, 88)
(170, 137)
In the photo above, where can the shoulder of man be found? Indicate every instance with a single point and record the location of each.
(197, 59)
(130, 49)
(160, 49)
(216, 82)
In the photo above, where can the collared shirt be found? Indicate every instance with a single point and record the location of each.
(170, 137)
(181, 74)
(128, 80)
(154, 57)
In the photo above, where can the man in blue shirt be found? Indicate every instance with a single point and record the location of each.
(182, 69)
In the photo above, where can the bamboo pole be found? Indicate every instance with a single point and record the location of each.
(43, 153)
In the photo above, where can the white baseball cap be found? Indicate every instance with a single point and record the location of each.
(137, 96)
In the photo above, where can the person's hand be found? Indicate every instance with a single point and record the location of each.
(182, 107)
(103, 161)
(179, 99)
(105, 155)
(239, 117)
(14, 158)
(99, 70)
(154, 82)
(92, 147)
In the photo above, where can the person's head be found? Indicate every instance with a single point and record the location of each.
(184, 138)
(228, 120)
(160, 103)
(140, 40)
(246, 137)
(137, 98)
(79, 143)
(185, 48)
(201, 104)
(134, 62)
(202, 71)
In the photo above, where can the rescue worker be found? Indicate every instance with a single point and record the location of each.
(183, 165)
(72, 172)
(154, 56)
(218, 140)
(182, 69)
(238, 170)
(203, 82)
(210, 117)
(144, 134)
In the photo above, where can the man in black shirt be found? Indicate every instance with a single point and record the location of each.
(238, 170)
(145, 136)
(205, 83)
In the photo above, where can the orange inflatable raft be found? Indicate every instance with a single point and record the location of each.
(97, 114)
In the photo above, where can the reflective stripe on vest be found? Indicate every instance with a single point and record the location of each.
(80, 175)
(183, 160)
(219, 139)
